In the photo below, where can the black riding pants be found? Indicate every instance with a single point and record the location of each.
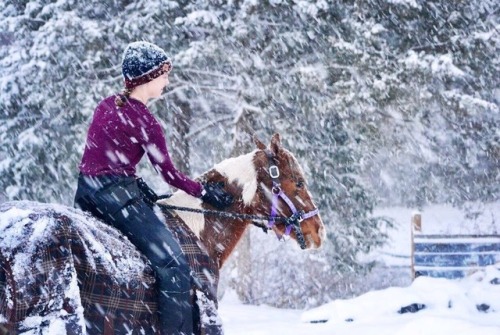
(119, 202)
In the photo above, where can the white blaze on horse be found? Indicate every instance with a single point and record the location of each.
(62, 269)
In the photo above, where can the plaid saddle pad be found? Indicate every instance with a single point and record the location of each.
(206, 273)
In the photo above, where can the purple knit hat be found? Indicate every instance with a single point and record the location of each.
(143, 62)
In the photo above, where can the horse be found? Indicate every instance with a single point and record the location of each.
(65, 272)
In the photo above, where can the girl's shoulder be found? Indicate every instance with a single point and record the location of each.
(107, 103)
(137, 111)
(133, 112)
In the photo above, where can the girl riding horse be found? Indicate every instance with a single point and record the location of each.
(121, 132)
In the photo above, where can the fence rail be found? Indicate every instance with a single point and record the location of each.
(450, 256)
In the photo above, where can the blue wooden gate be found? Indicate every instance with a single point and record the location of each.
(453, 256)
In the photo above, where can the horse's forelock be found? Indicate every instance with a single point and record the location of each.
(241, 170)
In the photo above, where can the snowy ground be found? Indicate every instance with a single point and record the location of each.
(470, 306)
(451, 307)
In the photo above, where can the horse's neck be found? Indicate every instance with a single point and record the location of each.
(221, 235)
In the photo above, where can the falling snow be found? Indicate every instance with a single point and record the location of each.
(385, 104)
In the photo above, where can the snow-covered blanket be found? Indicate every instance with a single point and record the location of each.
(64, 272)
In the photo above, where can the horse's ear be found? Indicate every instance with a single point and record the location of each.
(258, 143)
(275, 143)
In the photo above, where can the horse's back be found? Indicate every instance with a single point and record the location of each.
(63, 271)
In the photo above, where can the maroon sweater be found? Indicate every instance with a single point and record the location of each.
(117, 139)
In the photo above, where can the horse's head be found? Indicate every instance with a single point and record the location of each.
(282, 191)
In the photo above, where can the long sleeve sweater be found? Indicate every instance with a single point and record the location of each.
(119, 137)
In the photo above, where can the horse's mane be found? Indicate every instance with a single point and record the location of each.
(240, 170)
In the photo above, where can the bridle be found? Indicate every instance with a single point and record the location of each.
(291, 222)
(294, 220)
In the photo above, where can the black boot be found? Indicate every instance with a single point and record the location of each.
(175, 309)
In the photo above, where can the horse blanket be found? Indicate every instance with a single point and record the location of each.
(64, 272)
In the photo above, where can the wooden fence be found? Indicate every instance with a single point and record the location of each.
(450, 256)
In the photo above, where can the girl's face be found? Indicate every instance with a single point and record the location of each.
(156, 86)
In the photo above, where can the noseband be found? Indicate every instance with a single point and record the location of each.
(294, 220)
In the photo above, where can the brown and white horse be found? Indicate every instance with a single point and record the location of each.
(63, 271)
(248, 178)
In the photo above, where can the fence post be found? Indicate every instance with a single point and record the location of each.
(416, 222)
(416, 226)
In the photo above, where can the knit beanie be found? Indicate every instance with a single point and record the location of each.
(143, 62)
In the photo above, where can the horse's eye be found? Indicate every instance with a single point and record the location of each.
(300, 184)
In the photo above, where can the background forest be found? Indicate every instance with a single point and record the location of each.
(384, 103)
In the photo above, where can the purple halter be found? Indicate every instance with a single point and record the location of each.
(292, 222)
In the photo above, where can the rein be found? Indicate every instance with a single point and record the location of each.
(231, 215)
(291, 222)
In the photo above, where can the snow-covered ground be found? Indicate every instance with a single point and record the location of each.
(466, 307)
(470, 306)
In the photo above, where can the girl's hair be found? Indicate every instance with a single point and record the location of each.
(121, 98)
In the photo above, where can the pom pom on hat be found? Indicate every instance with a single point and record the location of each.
(143, 62)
